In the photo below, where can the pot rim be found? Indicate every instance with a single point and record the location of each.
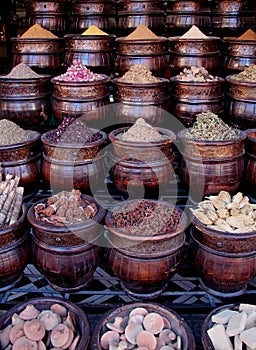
(231, 80)
(197, 83)
(35, 40)
(21, 144)
(115, 140)
(105, 79)
(162, 81)
(234, 40)
(159, 39)
(89, 37)
(178, 38)
(242, 136)
(42, 77)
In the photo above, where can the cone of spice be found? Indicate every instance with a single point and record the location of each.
(141, 32)
(38, 32)
(94, 30)
(22, 71)
(248, 35)
(194, 33)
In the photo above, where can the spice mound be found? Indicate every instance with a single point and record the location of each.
(141, 32)
(11, 199)
(194, 73)
(194, 33)
(209, 127)
(22, 71)
(146, 217)
(139, 74)
(94, 30)
(73, 131)
(38, 32)
(143, 328)
(78, 72)
(34, 328)
(65, 208)
(248, 74)
(248, 35)
(234, 214)
(11, 133)
(233, 325)
(141, 131)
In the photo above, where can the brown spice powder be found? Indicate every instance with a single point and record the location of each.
(38, 32)
(248, 35)
(94, 30)
(141, 32)
(194, 33)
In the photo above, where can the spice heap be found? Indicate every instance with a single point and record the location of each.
(73, 130)
(141, 131)
(145, 217)
(143, 329)
(227, 213)
(194, 33)
(141, 32)
(209, 127)
(248, 74)
(11, 199)
(65, 208)
(195, 73)
(38, 32)
(22, 71)
(234, 328)
(248, 35)
(78, 72)
(139, 74)
(48, 328)
(94, 30)
(11, 133)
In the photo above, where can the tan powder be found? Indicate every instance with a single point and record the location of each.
(141, 131)
(94, 30)
(194, 33)
(38, 32)
(248, 35)
(141, 32)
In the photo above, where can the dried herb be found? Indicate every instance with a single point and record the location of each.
(248, 74)
(139, 74)
(195, 73)
(11, 133)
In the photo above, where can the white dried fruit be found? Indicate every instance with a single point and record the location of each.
(212, 215)
(223, 225)
(206, 205)
(224, 196)
(243, 202)
(237, 198)
(218, 204)
(201, 216)
(223, 213)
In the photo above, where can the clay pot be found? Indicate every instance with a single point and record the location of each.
(23, 159)
(67, 256)
(237, 54)
(211, 166)
(76, 98)
(44, 56)
(240, 103)
(14, 251)
(150, 52)
(145, 264)
(250, 164)
(44, 303)
(178, 325)
(191, 98)
(218, 257)
(186, 52)
(26, 102)
(96, 52)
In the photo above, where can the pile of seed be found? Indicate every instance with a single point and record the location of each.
(198, 74)
(11, 133)
(248, 74)
(139, 74)
(22, 71)
(208, 126)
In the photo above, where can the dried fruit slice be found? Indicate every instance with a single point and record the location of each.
(16, 332)
(24, 343)
(34, 330)
(49, 319)
(59, 310)
(131, 332)
(59, 335)
(153, 322)
(109, 337)
(146, 339)
(29, 313)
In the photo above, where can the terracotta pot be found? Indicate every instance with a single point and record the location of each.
(218, 257)
(145, 264)
(44, 303)
(211, 166)
(250, 164)
(67, 256)
(178, 324)
(14, 251)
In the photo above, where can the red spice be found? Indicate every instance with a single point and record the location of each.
(252, 134)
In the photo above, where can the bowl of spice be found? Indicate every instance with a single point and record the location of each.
(194, 91)
(145, 234)
(194, 48)
(223, 235)
(14, 233)
(241, 100)
(143, 325)
(239, 52)
(94, 48)
(20, 154)
(25, 97)
(212, 155)
(78, 91)
(70, 155)
(39, 48)
(66, 230)
(142, 46)
(45, 323)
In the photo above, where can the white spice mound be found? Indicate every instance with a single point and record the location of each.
(141, 131)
